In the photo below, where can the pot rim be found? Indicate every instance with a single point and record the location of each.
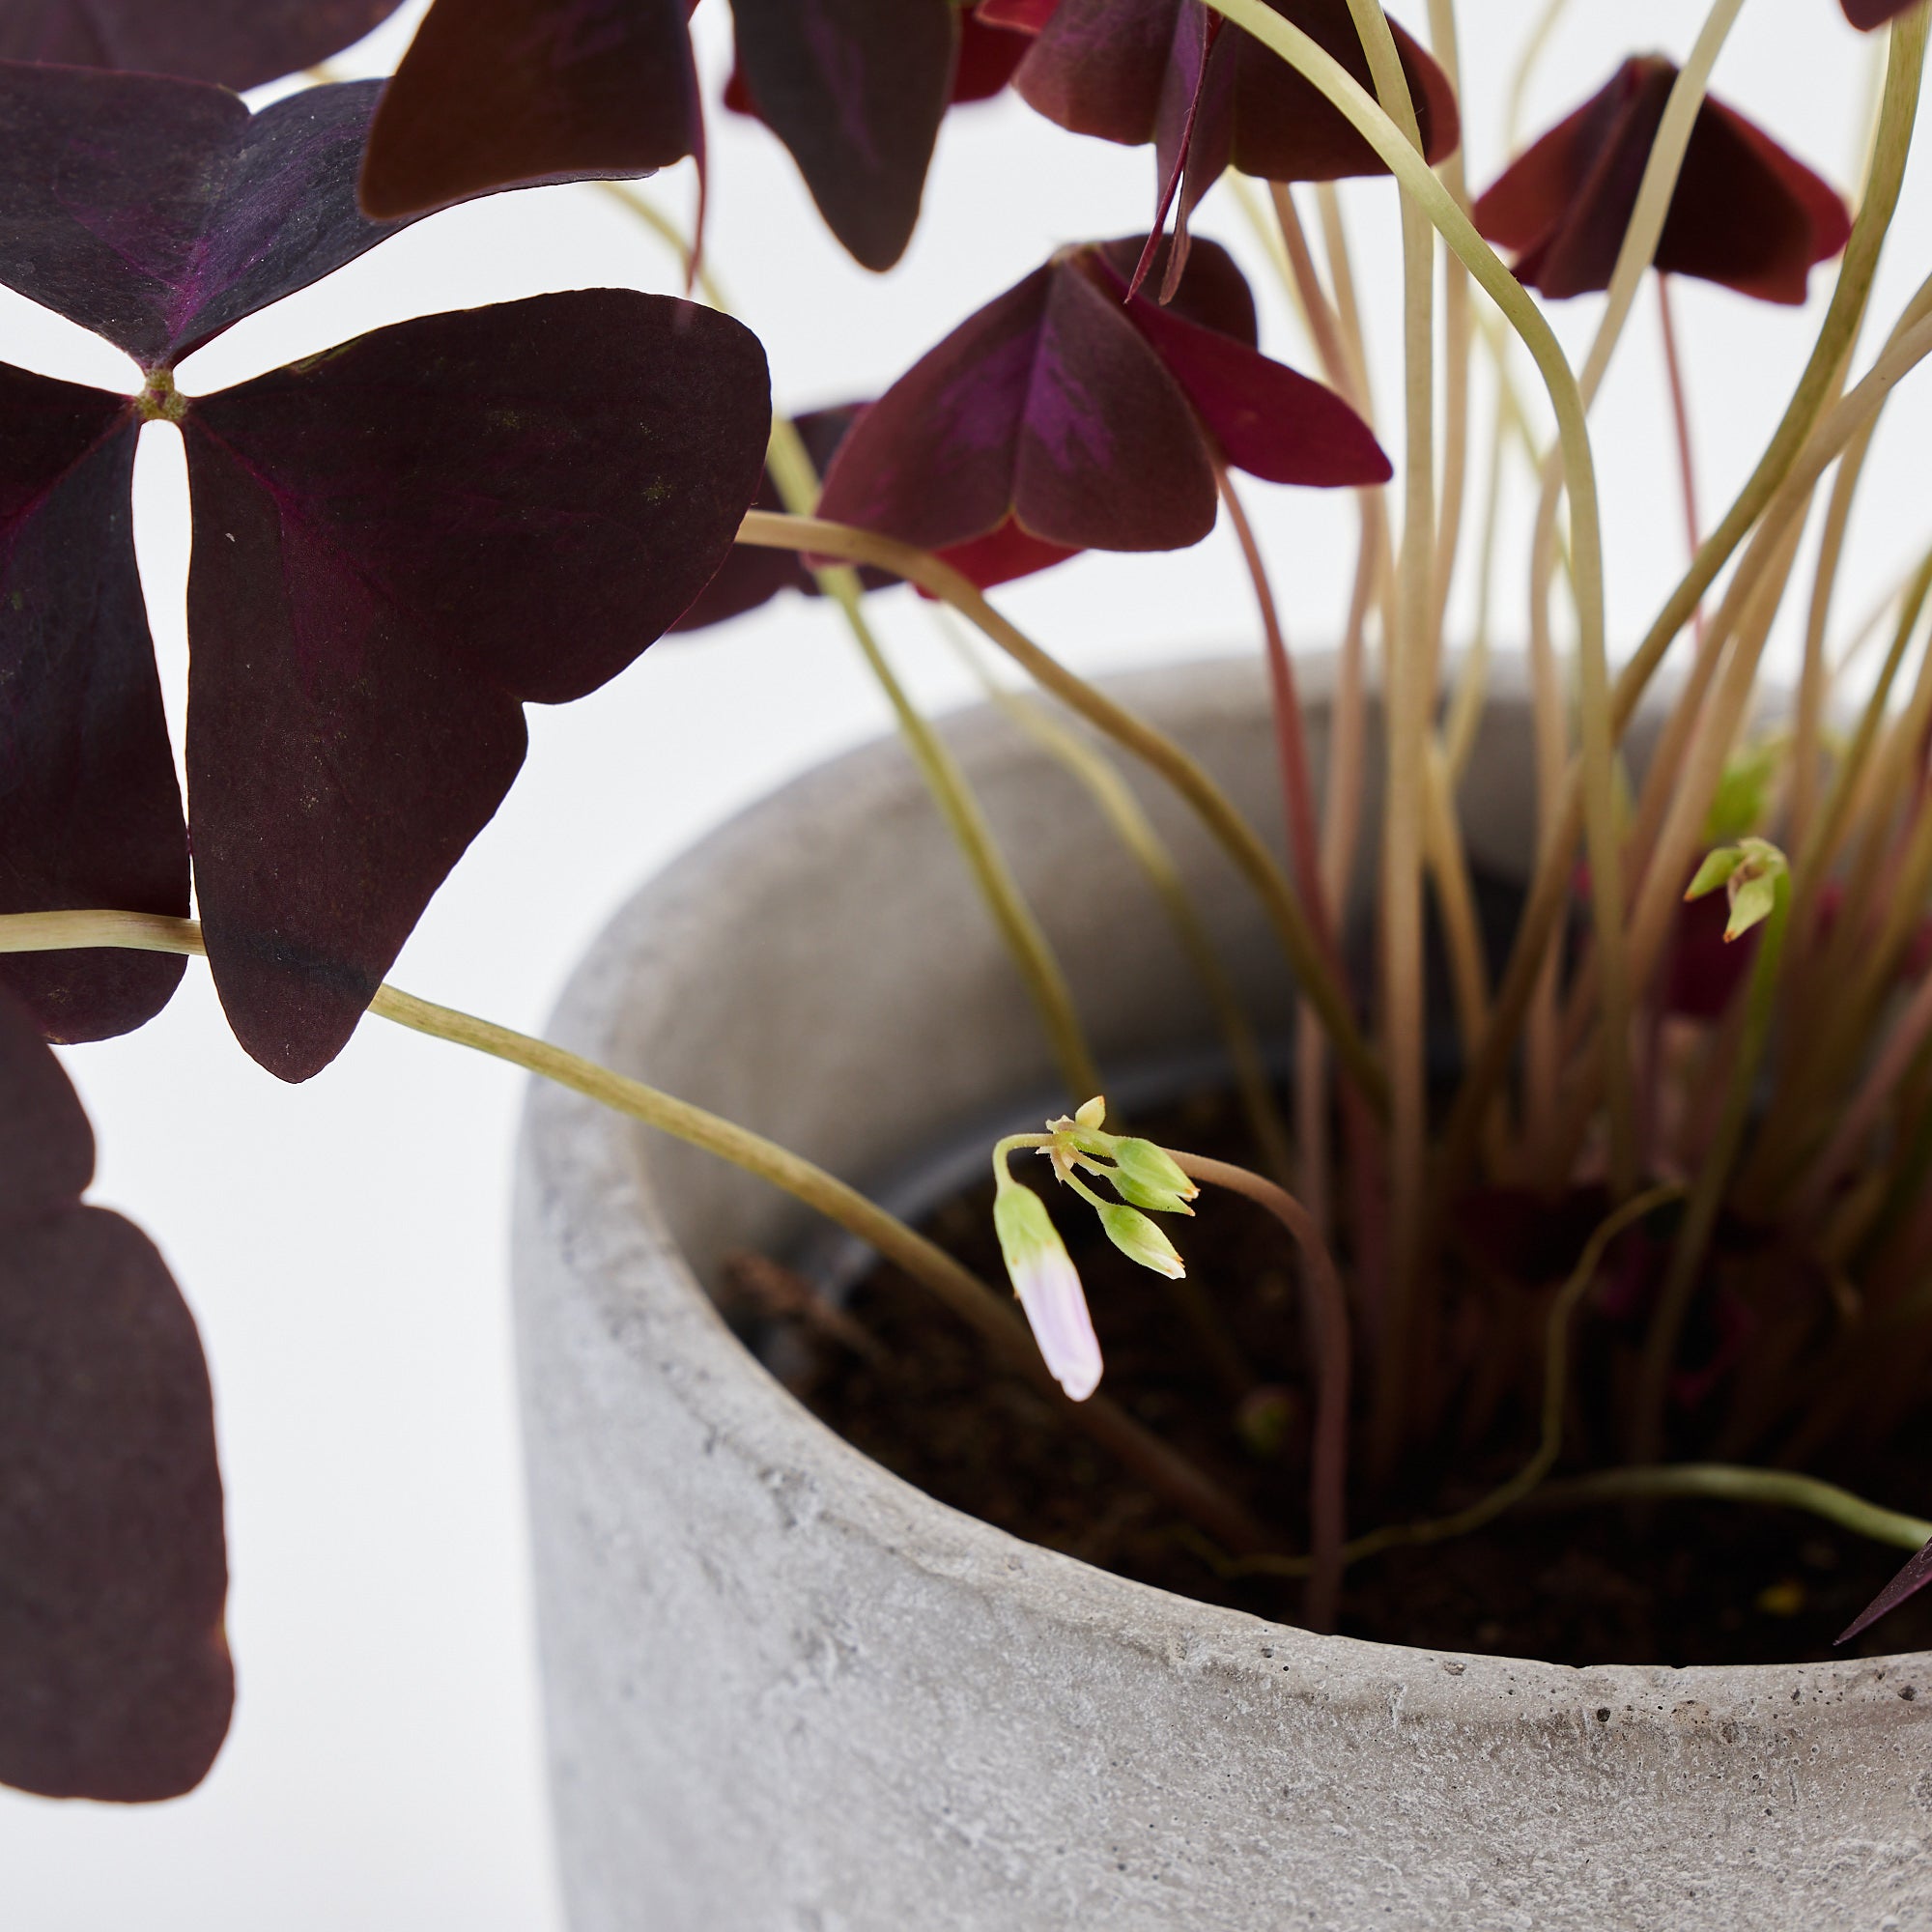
(591, 1173)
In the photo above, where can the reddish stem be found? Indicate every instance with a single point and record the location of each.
(1329, 1463)
(1290, 734)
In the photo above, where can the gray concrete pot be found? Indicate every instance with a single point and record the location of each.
(787, 1692)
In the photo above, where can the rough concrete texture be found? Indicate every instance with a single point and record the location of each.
(789, 1694)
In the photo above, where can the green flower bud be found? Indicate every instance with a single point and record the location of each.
(1141, 1239)
(1150, 1177)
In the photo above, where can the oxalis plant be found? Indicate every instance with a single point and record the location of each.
(1691, 1122)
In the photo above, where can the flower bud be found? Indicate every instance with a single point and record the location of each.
(1150, 1177)
(1141, 1241)
(1048, 1286)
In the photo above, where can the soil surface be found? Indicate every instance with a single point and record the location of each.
(1678, 1584)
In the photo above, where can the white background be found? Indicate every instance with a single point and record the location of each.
(342, 1243)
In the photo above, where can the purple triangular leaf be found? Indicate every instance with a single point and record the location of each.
(1212, 290)
(234, 42)
(497, 94)
(115, 1679)
(90, 810)
(1045, 405)
(158, 213)
(1909, 1580)
(856, 89)
(1265, 417)
(47, 1146)
(397, 545)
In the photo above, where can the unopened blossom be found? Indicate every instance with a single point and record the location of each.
(1048, 1287)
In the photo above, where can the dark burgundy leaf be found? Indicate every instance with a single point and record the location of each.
(1212, 290)
(1003, 554)
(157, 212)
(1285, 129)
(1046, 406)
(1265, 417)
(1702, 971)
(115, 1680)
(987, 58)
(1746, 214)
(234, 42)
(396, 545)
(1045, 423)
(749, 577)
(1022, 17)
(1865, 14)
(1133, 71)
(90, 811)
(46, 1146)
(988, 54)
(1909, 1580)
(856, 89)
(496, 94)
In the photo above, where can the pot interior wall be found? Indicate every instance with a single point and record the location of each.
(854, 1003)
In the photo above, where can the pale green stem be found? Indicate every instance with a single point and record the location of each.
(1732, 1483)
(1555, 1372)
(1525, 65)
(1183, 1485)
(1032, 951)
(1131, 824)
(1304, 285)
(1216, 810)
(1701, 1482)
(1775, 470)
(1407, 705)
(1421, 189)
(1347, 308)
(1634, 255)
(1457, 342)
(798, 482)
(1465, 709)
(1814, 678)
(1836, 333)
(1812, 864)
(1790, 467)
(627, 195)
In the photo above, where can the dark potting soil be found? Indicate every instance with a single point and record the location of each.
(1681, 1582)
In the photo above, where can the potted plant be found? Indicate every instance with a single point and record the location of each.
(1649, 1228)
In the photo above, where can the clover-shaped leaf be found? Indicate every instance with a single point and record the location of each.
(1064, 416)
(396, 545)
(497, 94)
(158, 213)
(1207, 94)
(988, 57)
(507, 92)
(234, 42)
(92, 811)
(856, 89)
(115, 1680)
(1744, 213)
